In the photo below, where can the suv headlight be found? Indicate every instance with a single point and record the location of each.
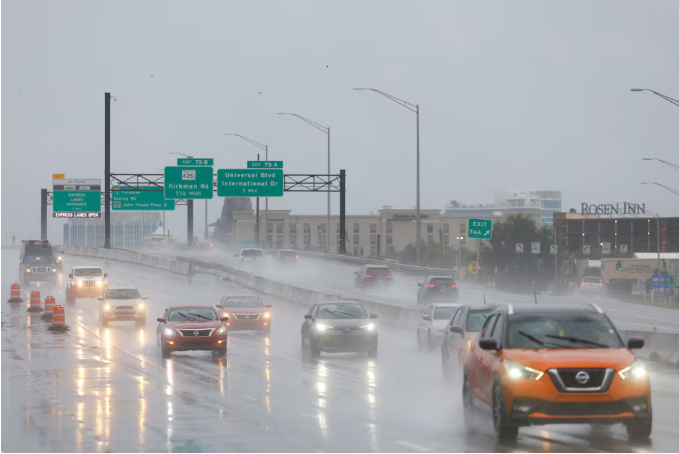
(140, 306)
(516, 370)
(322, 327)
(221, 330)
(80, 283)
(369, 327)
(98, 282)
(168, 332)
(636, 370)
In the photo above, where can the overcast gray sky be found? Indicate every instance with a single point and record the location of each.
(532, 94)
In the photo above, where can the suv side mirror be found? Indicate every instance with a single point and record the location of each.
(307, 316)
(457, 329)
(70, 275)
(224, 319)
(161, 320)
(235, 255)
(488, 344)
(219, 306)
(635, 344)
(100, 298)
(356, 272)
(144, 297)
(426, 317)
(373, 315)
(268, 306)
(419, 284)
(105, 274)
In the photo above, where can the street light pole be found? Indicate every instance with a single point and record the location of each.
(266, 202)
(413, 108)
(326, 130)
(665, 97)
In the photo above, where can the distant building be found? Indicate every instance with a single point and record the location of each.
(544, 202)
(127, 229)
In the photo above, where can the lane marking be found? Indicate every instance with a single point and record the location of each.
(413, 446)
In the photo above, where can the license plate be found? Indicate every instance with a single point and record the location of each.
(444, 290)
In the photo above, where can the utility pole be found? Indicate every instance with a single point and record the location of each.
(556, 270)
(478, 258)
(342, 240)
(441, 244)
(189, 222)
(257, 219)
(43, 216)
(107, 170)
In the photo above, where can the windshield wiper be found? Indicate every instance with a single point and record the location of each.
(341, 314)
(187, 317)
(531, 337)
(577, 339)
(202, 316)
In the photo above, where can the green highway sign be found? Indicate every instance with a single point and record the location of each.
(195, 162)
(76, 201)
(250, 183)
(188, 182)
(480, 228)
(140, 199)
(265, 164)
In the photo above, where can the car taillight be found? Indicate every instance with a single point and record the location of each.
(582, 285)
(431, 286)
(454, 285)
(601, 286)
(297, 257)
(367, 275)
(390, 277)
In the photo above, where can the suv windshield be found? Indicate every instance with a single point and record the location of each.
(87, 272)
(561, 331)
(192, 314)
(444, 313)
(251, 253)
(37, 254)
(592, 280)
(442, 281)
(476, 319)
(243, 302)
(122, 294)
(378, 271)
(341, 311)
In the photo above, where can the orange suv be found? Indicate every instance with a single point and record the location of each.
(555, 365)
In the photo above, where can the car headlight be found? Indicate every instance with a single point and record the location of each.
(80, 283)
(267, 315)
(59, 258)
(369, 327)
(636, 370)
(140, 306)
(28, 270)
(322, 327)
(54, 270)
(98, 282)
(221, 330)
(107, 307)
(169, 332)
(516, 370)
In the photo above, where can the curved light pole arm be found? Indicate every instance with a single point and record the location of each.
(255, 143)
(674, 191)
(183, 154)
(312, 123)
(410, 106)
(674, 166)
(665, 97)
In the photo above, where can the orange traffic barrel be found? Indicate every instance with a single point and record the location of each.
(49, 306)
(58, 318)
(34, 304)
(15, 294)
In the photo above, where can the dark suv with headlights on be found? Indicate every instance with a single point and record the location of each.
(437, 288)
(339, 326)
(373, 275)
(556, 364)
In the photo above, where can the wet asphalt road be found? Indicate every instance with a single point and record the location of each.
(338, 279)
(108, 389)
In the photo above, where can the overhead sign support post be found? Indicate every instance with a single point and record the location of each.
(479, 229)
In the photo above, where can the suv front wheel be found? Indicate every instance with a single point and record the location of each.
(504, 429)
(640, 429)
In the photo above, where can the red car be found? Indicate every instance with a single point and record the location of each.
(184, 328)
(245, 312)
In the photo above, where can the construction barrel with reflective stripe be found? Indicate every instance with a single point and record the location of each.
(34, 304)
(15, 294)
(59, 317)
(49, 306)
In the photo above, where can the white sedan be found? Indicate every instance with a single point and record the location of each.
(434, 321)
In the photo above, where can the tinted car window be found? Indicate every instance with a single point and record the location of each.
(122, 293)
(192, 314)
(342, 311)
(592, 280)
(378, 271)
(251, 253)
(444, 313)
(476, 319)
(561, 331)
(87, 272)
(456, 317)
(243, 302)
(442, 281)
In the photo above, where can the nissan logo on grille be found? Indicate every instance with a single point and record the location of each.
(582, 377)
(247, 316)
(195, 333)
(347, 330)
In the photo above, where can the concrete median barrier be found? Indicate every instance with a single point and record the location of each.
(130, 257)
